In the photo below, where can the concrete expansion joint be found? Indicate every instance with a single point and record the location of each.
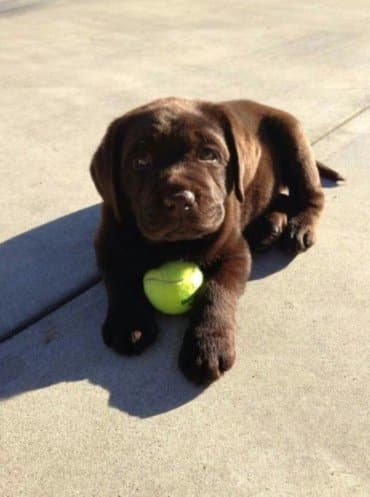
(341, 123)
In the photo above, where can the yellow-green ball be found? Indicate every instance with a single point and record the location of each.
(171, 288)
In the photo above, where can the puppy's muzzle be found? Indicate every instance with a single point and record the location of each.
(179, 202)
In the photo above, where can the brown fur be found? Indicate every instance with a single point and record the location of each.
(249, 170)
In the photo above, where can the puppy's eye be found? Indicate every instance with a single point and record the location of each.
(142, 162)
(207, 154)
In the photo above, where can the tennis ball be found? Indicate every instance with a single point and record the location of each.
(171, 287)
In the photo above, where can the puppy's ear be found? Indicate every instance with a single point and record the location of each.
(243, 148)
(105, 166)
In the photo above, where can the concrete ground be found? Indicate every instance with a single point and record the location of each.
(292, 417)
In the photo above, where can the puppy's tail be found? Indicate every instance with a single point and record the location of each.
(329, 173)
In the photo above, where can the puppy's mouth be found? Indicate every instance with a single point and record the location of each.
(164, 229)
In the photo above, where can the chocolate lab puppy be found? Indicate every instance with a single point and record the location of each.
(190, 180)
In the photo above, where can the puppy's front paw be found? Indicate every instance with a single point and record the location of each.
(206, 355)
(299, 234)
(129, 337)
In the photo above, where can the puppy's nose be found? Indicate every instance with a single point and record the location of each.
(180, 201)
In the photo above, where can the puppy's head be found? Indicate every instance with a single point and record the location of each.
(173, 164)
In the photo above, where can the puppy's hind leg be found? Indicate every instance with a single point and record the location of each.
(267, 229)
(300, 173)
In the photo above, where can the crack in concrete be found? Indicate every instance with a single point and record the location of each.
(340, 124)
(83, 288)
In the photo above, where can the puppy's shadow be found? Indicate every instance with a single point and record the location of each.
(65, 346)
(328, 183)
(269, 262)
(149, 384)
